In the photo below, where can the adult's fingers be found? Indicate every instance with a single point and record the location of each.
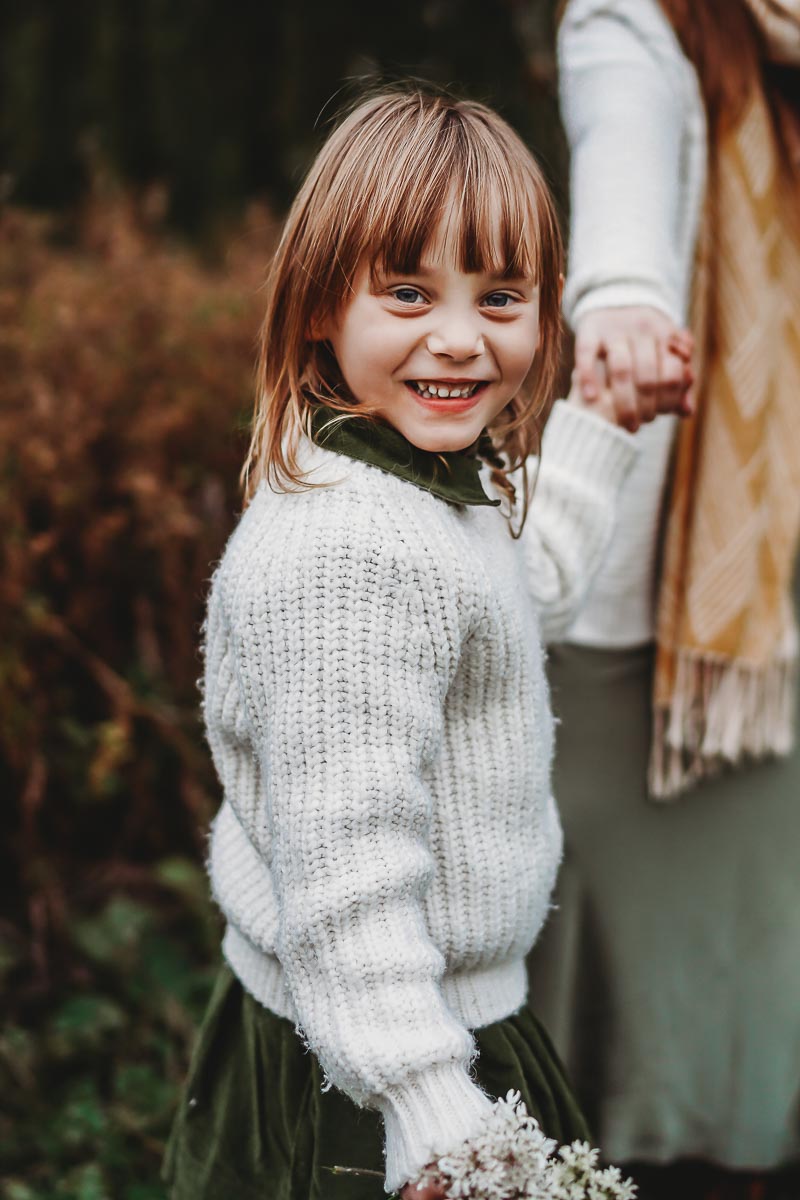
(619, 369)
(645, 353)
(588, 353)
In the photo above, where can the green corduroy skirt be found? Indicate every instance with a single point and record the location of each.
(255, 1124)
(669, 972)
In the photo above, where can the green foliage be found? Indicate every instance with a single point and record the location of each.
(89, 1082)
(125, 378)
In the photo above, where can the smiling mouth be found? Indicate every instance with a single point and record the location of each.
(433, 390)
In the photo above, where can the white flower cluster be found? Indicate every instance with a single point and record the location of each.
(513, 1160)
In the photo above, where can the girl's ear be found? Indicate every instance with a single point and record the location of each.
(321, 328)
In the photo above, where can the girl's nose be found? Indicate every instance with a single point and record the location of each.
(457, 338)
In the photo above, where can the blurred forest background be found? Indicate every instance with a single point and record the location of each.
(147, 152)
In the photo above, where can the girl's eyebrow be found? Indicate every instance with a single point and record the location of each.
(506, 281)
(419, 270)
(425, 271)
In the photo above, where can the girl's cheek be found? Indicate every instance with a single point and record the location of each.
(522, 352)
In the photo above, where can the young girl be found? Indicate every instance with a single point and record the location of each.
(374, 689)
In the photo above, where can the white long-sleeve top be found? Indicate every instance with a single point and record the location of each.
(378, 714)
(635, 123)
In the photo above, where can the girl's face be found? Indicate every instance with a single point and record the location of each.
(438, 353)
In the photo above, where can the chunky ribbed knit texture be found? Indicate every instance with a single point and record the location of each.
(378, 714)
(635, 123)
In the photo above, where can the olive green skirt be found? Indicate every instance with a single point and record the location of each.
(669, 973)
(255, 1124)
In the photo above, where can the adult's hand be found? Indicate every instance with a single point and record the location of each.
(639, 358)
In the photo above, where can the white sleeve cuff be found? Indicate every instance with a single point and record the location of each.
(621, 294)
(427, 1117)
(588, 446)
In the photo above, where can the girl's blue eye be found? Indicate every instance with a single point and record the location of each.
(408, 295)
(498, 300)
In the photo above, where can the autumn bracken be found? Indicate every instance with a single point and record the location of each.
(125, 385)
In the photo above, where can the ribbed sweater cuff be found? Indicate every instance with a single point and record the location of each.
(590, 447)
(637, 293)
(429, 1116)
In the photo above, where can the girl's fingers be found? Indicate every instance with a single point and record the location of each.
(676, 378)
(682, 345)
(681, 342)
(686, 406)
(619, 369)
(431, 1192)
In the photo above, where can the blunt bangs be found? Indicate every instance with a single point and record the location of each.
(399, 179)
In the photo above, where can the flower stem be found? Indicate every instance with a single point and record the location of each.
(354, 1171)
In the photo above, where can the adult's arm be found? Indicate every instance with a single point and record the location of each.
(626, 99)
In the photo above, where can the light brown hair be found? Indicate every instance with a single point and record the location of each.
(720, 38)
(724, 42)
(376, 193)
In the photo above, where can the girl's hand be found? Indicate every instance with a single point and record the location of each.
(632, 364)
(429, 1192)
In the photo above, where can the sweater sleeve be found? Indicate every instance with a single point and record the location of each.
(584, 462)
(343, 685)
(623, 83)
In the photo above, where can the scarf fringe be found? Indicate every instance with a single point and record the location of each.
(721, 712)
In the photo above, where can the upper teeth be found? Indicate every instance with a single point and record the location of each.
(444, 391)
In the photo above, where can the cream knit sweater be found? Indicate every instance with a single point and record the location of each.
(378, 714)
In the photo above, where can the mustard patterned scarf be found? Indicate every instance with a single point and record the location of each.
(727, 653)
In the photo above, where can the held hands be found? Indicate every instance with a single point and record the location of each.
(632, 364)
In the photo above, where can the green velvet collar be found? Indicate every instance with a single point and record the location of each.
(454, 477)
